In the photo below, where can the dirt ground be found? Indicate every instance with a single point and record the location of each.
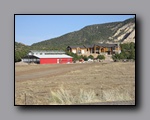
(105, 82)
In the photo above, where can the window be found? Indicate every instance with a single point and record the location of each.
(97, 48)
(79, 51)
(40, 53)
(102, 50)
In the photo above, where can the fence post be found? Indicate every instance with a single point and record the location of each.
(25, 99)
(102, 97)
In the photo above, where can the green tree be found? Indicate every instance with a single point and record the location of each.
(75, 56)
(17, 57)
(127, 52)
(132, 55)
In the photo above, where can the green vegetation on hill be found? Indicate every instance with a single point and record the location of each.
(88, 35)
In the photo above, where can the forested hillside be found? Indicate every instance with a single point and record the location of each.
(99, 33)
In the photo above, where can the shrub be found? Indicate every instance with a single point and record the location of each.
(85, 58)
(115, 57)
(66, 97)
(91, 57)
(101, 57)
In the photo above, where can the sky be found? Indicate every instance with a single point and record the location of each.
(31, 29)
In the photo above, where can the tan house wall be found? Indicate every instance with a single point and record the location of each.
(74, 50)
(83, 51)
(117, 48)
(97, 50)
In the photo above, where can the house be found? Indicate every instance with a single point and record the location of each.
(96, 49)
(77, 49)
(47, 57)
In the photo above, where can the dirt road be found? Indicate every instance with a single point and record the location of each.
(48, 71)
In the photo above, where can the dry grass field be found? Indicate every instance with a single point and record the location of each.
(81, 83)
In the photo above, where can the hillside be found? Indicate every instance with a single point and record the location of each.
(20, 46)
(99, 33)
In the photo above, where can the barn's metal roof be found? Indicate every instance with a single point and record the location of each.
(30, 57)
(53, 56)
(47, 51)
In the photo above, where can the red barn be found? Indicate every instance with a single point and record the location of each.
(47, 57)
(54, 59)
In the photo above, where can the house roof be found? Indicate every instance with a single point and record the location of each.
(88, 46)
(91, 46)
(53, 56)
(107, 45)
(76, 46)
